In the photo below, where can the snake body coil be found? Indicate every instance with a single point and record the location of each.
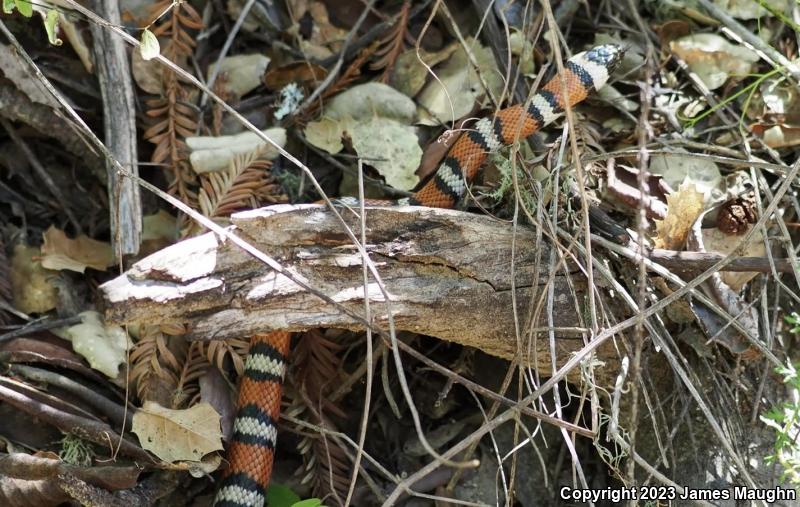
(252, 448)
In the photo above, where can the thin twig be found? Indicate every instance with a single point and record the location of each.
(695, 261)
(362, 431)
(40, 325)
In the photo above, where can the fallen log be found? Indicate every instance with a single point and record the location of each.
(447, 274)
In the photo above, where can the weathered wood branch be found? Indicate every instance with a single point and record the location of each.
(448, 274)
(119, 122)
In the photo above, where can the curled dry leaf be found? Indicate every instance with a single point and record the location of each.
(778, 136)
(622, 187)
(410, 74)
(60, 252)
(713, 58)
(683, 208)
(673, 29)
(244, 72)
(103, 346)
(459, 86)
(16, 492)
(776, 109)
(178, 435)
(215, 153)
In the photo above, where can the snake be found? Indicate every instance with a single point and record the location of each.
(251, 451)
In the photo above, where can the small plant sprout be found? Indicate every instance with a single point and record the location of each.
(785, 418)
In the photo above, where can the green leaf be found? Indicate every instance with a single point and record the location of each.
(279, 495)
(793, 319)
(24, 7)
(311, 502)
(8, 6)
(769, 421)
(51, 27)
(149, 45)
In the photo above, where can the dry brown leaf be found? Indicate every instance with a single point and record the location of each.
(60, 252)
(244, 72)
(683, 208)
(622, 187)
(214, 153)
(459, 86)
(713, 58)
(295, 72)
(326, 39)
(392, 43)
(718, 327)
(147, 73)
(178, 435)
(16, 492)
(778, 136)
(715, 240)
(410, 75)
(31, 289)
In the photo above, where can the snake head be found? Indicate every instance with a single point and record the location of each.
(599, 62)
(607, 55)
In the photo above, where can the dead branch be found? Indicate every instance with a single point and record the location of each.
(700, 261)
(116, 87)
(447, 273)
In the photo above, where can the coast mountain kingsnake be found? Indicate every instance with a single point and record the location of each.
(252, 446)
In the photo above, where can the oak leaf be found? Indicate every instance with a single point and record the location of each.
(178, 435)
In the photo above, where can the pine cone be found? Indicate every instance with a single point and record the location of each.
(736, 214)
